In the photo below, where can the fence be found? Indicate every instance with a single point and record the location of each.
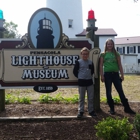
(133, 68)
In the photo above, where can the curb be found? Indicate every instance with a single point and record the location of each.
(44, 118)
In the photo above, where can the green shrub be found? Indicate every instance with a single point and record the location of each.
(24, 100)
(58, 98)
(9, 99)
(137, 124)
(115, 99)
(73, 100)
(113, 129)
(103, 100)
(45, 98)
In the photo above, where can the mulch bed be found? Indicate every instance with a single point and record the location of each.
(75, 129)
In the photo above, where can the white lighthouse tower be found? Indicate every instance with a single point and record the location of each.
(70, 14)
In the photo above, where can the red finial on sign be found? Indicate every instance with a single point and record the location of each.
(91, 14)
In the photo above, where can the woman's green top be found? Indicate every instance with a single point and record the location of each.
(110, 62)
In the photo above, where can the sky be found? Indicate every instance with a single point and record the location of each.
(121, 15)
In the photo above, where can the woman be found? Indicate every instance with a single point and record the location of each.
(110, 66)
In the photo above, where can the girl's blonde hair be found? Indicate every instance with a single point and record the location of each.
(113, 49)
(109, 39)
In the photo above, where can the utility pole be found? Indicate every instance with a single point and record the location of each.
(95, 38)
(2, 91)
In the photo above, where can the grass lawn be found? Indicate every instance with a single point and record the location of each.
(131, 86)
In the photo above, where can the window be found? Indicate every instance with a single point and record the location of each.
(120, 50)
(131, 49)
(138, 61)
(127, 49)
(138, 49)
(134, 49)
(123, 50)
(70, 23)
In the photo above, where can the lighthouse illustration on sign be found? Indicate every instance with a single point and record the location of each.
(44, 29)
(45, 37)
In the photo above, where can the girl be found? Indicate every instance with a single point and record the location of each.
(110, 66)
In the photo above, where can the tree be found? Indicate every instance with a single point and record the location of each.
(11, 30)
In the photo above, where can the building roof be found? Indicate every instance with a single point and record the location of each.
(83, 33)
(100, 32)
(127, 40)
(106, 32)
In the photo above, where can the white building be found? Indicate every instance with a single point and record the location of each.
(129, 48)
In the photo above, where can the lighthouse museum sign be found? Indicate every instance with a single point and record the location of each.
(44, 58)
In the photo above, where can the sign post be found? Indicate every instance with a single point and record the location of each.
(97, 81)
(2, 99)
(2, 91)
(95, 38)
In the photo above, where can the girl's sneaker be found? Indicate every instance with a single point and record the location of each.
(80, 115)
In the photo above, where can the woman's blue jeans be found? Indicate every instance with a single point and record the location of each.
(113, 77)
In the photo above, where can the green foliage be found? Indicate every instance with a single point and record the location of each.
(45, 98)
(113, 129)
(115, 99)
(9, 99)
(103, 100)
(137, 124)
(74, 99)
(11, 30)
(24, 100)
(58, 98)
